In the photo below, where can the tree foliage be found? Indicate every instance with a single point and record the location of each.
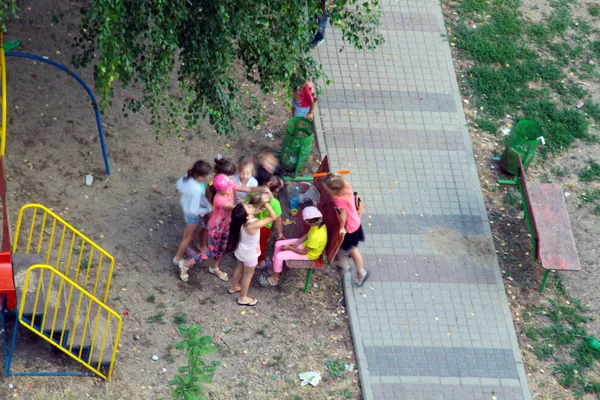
(8, 9)
(195, 59)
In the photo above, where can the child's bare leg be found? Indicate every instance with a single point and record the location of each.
(237, 277)
(203, 243)
(245, 284)
(358, 261)
(188, 236)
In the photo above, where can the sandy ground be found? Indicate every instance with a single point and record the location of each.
(134, 214)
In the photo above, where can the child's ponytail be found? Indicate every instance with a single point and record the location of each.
(199, 169)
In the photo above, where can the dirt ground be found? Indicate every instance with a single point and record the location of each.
(134, 213)
(522, 277)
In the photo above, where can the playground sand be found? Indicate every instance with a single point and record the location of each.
(134, 214)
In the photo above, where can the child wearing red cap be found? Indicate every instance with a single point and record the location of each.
(308, 247)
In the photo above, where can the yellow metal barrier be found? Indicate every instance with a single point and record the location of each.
(65, 248)
(3, 123)
(85, 332)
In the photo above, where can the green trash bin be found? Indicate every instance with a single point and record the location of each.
(297, 143)
(523, 143)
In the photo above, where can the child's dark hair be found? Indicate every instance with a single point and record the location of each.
(275, 183)
(200, 168)
(223, 166)
(318, 221)
(239, 216)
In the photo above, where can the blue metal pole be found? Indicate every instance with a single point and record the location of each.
(82, 83)
(58, 373)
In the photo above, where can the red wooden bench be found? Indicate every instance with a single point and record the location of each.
(549, 226)
(334, 239)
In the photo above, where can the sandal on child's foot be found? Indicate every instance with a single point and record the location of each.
(264, 281)
(222, 276)
(183, 272)
(252, 302)
(233, 291)
(176, 262)
(365, 276)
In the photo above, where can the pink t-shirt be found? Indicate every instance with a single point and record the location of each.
(347, 202)
(304, 96)
(219, 212)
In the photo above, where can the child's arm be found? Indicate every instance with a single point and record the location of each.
(343, 218)
(303, 250)
(263, 222)
(296, 243)
(255, 189)
(279, 227)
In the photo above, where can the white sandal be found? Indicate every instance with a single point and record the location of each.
(183, 271)
(224, 277)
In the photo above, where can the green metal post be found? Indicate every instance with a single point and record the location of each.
(308, 276)
(544, 281)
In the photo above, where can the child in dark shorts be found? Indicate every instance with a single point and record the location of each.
(350, 224)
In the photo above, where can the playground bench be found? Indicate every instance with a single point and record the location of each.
(298, 228)
(548, 222)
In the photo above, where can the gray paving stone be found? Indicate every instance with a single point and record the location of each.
(427, 325)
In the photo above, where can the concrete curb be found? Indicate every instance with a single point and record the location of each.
(361, 358)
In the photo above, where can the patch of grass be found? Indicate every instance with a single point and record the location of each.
(344, 394)
(180, 318)
(261, 331)
(510, 76)
(117, 298)
(513, 199)
(487, 125)
(336, 368)
(161, 305)
(591, 173)
(594, 10)
(169, 354)
(560, 20)
(545, 178)
(562, 326)
(157, 318)
(591, 197)
(151, 298)
(160, 289)
(560, 172)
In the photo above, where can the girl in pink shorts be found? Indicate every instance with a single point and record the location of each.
(308, 247)
(244, 240)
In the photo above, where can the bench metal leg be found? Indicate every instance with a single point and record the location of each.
(308, 276)
(544, 281)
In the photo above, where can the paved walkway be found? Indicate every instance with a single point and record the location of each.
(433, 321)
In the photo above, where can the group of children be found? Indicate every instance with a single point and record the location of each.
(235, 212)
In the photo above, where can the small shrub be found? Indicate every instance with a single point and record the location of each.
(591, 173)
(151, 298)
(180, 318)
(187, 384)
(157, 318)
(336, 368)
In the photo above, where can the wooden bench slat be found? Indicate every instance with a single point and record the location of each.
(556, 245)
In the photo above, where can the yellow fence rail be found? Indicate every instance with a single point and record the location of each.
(3, 122)
(60, 245)
(68, 317)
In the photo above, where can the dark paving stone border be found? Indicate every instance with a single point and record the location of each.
(441, 362)
(417, 224)
(387, 100)
(410, 391)
(395, 139)
(407, 21)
